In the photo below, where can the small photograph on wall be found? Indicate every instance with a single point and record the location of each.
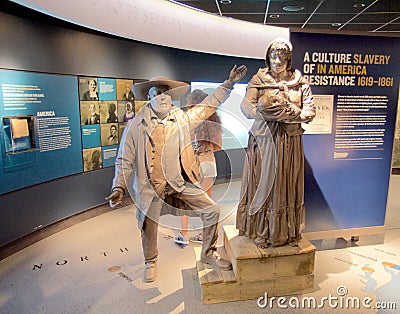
(139, 105)
(92, 159)
(90, 112)
(109, 134)
(121, 128)
(88, 89)
(108, 112)
(124, 90)
(126, 110)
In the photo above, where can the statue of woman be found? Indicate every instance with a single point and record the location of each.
(271, 209)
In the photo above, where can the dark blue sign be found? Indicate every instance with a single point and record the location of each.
(355, 81)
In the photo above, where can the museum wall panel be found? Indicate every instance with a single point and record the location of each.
(38, 43)
(33, 42)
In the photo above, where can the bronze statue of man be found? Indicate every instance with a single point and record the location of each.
(156, 164)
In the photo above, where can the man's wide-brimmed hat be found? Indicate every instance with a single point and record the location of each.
(177, 88)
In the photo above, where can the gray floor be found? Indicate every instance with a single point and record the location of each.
(96, 267)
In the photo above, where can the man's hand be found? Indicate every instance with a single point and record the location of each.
(115, 198)
(237, 73)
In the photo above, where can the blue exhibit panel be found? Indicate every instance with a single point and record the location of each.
(40, 136)
(91, 135)
(107, 89)
(348, 169)
(109, 153)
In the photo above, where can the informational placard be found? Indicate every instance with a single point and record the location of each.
(348, 146)
(322, 123)
(39, 128)
(107, 89)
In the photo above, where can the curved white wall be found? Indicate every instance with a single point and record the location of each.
(165, 23)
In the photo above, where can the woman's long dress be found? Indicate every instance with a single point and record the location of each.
(271, 209)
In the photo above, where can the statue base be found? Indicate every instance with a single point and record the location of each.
(278, 271)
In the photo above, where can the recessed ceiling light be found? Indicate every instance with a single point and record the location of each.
(336, 24)
(292, 8)
(274, 16)
(225, 1)
(359, 5)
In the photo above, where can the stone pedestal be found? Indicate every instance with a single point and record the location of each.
(278, 271)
